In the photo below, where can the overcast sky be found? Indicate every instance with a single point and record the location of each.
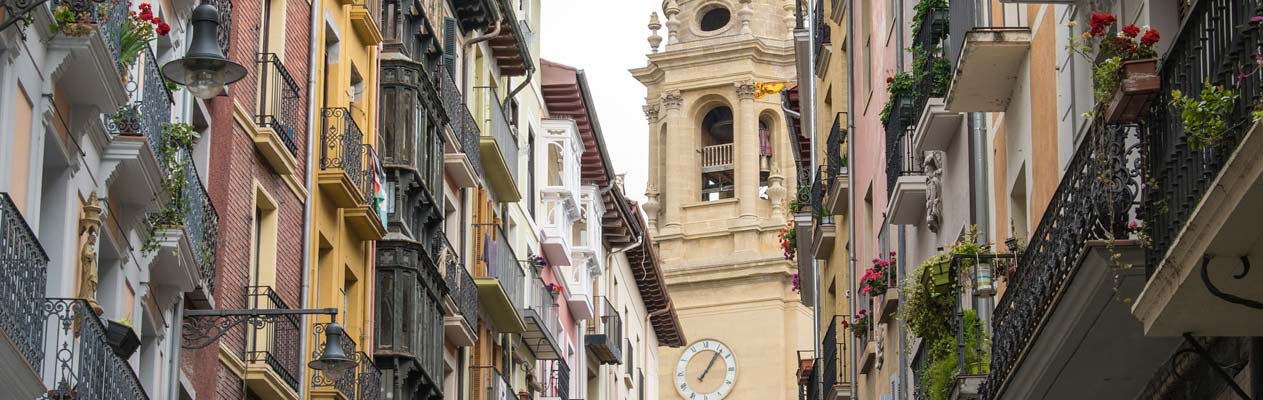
(605, 38)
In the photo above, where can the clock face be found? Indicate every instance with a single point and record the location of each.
(706, 371)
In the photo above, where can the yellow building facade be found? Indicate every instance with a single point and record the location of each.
(345, 219)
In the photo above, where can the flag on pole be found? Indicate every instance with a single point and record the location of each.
(762, 89)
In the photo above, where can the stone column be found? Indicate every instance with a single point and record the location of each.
(676, 156)
(745, 136)
(652, 206)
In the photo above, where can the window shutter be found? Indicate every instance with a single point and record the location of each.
(449, 45)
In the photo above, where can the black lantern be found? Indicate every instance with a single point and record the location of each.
(333, 358)
(204, 70)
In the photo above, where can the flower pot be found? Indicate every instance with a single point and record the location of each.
(1140, 84)
(122, 339)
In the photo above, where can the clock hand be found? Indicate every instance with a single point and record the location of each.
(708, 365)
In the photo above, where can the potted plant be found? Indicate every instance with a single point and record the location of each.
(122, 338)
(553, 289)
(1124, 66)
(73, 23)
(138, 31)
(938, 275)
(875, 280)
(536, 262)
(859, 324)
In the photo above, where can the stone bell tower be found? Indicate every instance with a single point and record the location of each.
(719, 179)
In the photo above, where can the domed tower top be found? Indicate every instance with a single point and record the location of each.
(696, 20)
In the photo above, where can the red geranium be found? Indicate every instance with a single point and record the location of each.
(1150, 38)
(1131, 30)
(1100, 22)
(890, 79)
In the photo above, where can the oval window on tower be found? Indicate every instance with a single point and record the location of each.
(714, 19)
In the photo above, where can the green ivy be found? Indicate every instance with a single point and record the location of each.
(1108, 77)
(176, 137)
(923, 8)
(1205, 119)
(944, 368)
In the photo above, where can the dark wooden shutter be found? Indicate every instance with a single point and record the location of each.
(449, 45)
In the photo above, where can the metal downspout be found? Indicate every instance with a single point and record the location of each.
(312, 34)
(850, 155)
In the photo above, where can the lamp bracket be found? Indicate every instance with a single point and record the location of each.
(200, 328)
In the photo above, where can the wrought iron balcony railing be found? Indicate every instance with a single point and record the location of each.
(462, 122)
(201, 221)
(343, 381)
(23, 275)
(605, 335)
(822, 32)
(819, 187)
(368, 378)
(1227, 32)
(1094, 200)
(901, 155)
(460, 284)
(558, 384)
(489, 384)
(76, 360)
(500, 262)
(342, 147)
(835, 157)
(275, 344)
(835, 359)
(281, 106)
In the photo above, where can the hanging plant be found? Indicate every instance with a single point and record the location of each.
(177, 141)
(140, 29)
(795, 285)
(923, 9)
(553, 288)
(899, 86)
(788, 240)
(1204, 119)
(943, 354)
(536, 261)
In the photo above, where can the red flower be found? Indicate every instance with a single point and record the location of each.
(146, 15)
(145, 6)
(890, 79)
(1099, 22)
(163, 29)
(1150, 38)
(885, 263)
(1131, 30)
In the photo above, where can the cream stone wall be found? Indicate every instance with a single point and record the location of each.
(723, 265)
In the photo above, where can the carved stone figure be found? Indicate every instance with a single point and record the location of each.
(881, 345)
(90, 230)
(933, 165)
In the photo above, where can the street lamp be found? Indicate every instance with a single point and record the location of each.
(201, 328)
(204, 70)
(333, 358)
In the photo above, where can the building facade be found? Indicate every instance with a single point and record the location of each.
(109, 232)
(1030, 221)
(720, 169)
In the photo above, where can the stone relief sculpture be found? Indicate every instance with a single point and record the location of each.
(881, 346)
(933, 166)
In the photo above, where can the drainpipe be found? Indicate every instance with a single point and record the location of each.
(314, 47)
(530, 74)
(484, 37)
(850, 150)
(173, 367)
